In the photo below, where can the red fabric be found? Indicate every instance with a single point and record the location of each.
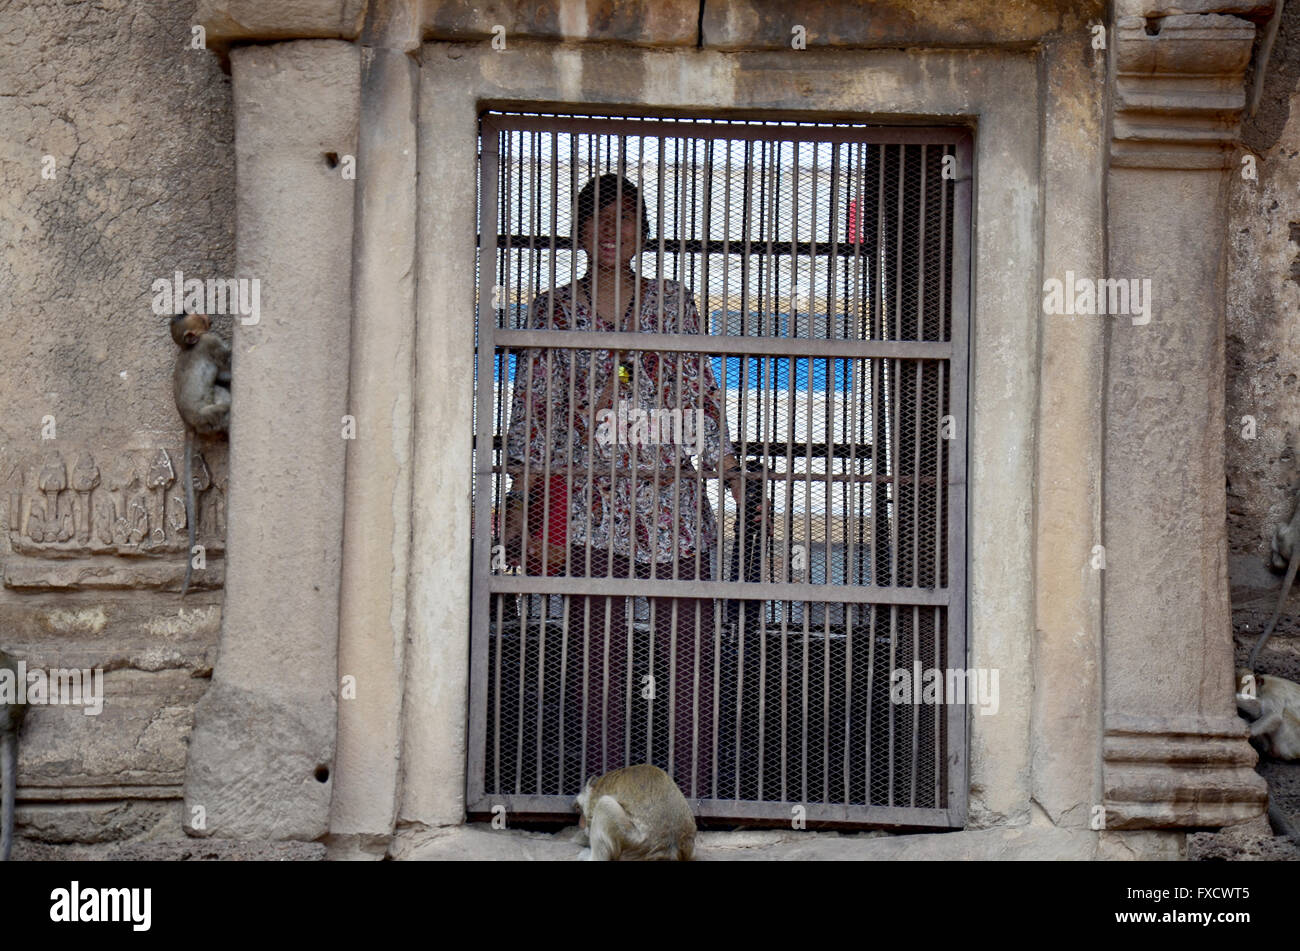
(557, 531)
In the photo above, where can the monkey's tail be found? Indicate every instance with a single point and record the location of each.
(1277, 613)
(9, 763)
(189, 507)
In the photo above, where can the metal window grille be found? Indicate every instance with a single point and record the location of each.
(746, 647)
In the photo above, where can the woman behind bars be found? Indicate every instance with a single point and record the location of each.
(600, 446)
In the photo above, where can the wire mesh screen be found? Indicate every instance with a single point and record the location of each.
(719, 470)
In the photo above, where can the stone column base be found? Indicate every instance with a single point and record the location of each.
(1183, 772)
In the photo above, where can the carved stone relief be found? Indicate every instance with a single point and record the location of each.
(130, 504)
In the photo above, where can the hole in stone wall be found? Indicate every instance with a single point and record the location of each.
(332, 159)
(1153, 25)
(322, 774)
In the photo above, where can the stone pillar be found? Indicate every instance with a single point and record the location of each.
(1174, 750)
(262, 752)
(377, 494)
(437, 661)
(1067, 524)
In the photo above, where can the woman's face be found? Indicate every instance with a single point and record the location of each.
(610, 237)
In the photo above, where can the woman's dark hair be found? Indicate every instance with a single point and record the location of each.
(609, 186)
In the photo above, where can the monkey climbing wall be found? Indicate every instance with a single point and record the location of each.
(720, 499)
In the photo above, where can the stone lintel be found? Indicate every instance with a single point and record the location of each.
(730, 25)
(770, 24)
(242, 21)
(635, 22)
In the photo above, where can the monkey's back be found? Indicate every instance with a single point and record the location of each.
(660, 813)
(1283, 697)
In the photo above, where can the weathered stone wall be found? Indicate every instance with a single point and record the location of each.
(1263, 346)
(140, 129)
(1263, 370)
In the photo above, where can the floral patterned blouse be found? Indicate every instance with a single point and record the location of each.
(639, 453)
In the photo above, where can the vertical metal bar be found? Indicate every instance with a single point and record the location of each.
(916, 705)
(519, 701)
(509, 195)
(850, 613)
(870, 699)
(854, 509)
(489, 171)
(893, 665)
(629, 651)
(895, 379)
(879, 409)
(605, 698)
(517, 270)
(937, 740)
(592, 365)
(706, 262)
(496, 698)
(940, 481)
(663, 230)
(553, 280)
(534, 220)
(584, 695)
(956, 615)
(808, 543)
(920, 365)
(770, 300)
(565, 601)
(941, 367)
(719, 608)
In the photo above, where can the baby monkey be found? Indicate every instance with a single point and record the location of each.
(201, 388)
(636, 813)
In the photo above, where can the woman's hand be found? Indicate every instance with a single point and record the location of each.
(735, 477)
(737, 486)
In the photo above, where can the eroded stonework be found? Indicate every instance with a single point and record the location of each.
(61, 513)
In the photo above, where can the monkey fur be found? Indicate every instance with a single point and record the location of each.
(201, 388)
(636, 813)
(1285, 553)
(1273, 707)
(11, 718)
(1272, 704)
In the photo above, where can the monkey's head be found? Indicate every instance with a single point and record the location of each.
(188, 328)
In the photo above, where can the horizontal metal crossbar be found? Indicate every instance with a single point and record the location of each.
(727, 345)
(756, 247)
(755, 131)
(739, 809)
(733, 590)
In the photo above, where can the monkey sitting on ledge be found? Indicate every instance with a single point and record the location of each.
(636, 813)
